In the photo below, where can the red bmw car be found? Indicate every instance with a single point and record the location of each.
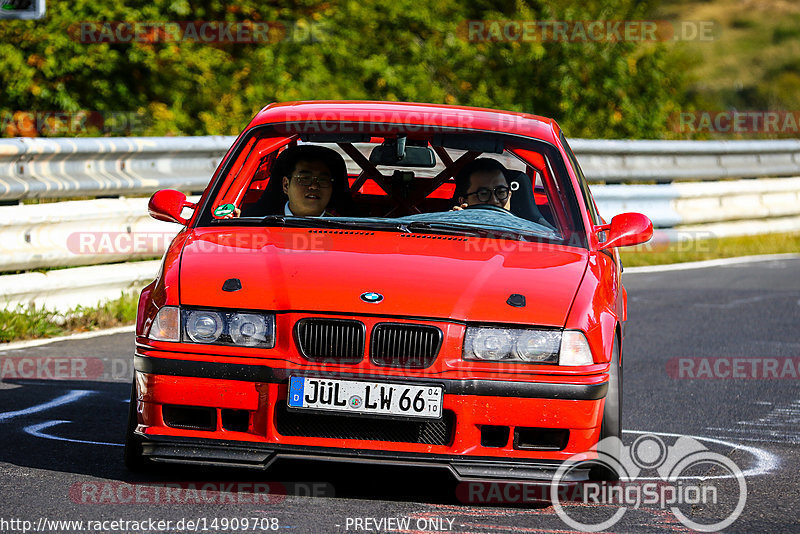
(385, 282)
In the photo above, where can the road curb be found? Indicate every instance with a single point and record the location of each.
(15, 345)
(721, 262)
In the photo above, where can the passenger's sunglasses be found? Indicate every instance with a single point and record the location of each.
(321, 181)
(500, 192)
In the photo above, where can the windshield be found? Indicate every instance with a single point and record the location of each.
(455, 183)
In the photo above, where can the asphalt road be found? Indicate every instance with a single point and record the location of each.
(691, 337)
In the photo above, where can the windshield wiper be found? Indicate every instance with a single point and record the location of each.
(329, 222)
(456, 228)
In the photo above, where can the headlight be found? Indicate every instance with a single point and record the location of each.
(204, 326)
(166, 325)
(527, 345)
(538, 345)
(229, 328)
(511, 344)
(489, 344)
(248, 328)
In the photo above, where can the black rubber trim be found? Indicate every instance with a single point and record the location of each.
(262, 373)
(257, 455)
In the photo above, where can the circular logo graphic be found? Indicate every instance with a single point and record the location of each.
(648, 452)
(224, 209)
(355, 401)
(371, 296)
(672, 486)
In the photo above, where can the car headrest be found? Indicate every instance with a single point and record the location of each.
(522, 203)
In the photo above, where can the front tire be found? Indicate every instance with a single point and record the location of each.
(611, 425)
(135, 461)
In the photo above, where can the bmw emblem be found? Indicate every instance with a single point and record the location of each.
(371, 296)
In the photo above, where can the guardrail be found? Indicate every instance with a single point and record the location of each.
(64, 168)
(81, 233)
(107, 166)
(620, 161)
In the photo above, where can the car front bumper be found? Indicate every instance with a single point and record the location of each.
(572, 407)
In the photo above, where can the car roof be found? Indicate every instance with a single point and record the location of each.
(410, 113)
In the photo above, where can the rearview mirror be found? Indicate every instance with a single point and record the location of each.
(626, 229)
(396, 153)
(167, 205)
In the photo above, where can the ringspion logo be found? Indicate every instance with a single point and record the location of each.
(655, 475)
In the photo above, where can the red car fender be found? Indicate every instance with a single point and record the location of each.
(163, 291)
(595, 308)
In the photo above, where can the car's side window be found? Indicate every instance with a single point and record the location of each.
(587, 194)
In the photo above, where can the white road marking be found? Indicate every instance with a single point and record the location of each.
(779, 425)
(60, 401)
(709, 263)
(766, 462)
(736, 302)
(36, 430)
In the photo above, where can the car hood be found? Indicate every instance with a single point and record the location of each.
(418, 275)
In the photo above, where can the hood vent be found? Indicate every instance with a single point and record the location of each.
(432, 236)
(341, 232)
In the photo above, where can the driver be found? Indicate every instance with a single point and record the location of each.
(482, 181)
(307, 181)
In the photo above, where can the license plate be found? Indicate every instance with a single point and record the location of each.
(357, 397)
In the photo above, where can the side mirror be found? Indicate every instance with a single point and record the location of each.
(167, 205)
(626, 229)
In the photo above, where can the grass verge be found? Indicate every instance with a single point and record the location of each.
(710, 249)
(32, 323)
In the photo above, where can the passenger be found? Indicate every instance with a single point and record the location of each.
(307, 181)
(482, 181)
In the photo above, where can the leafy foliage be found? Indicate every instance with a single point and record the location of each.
(339, 49)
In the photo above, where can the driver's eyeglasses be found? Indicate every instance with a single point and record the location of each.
(500, 192)
(322, 181)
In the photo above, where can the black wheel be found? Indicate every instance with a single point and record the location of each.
(134, 460)
(487, 207)
(612, 414)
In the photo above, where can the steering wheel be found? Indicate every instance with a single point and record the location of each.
(488, 207)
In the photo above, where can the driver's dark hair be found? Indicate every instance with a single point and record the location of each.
(478, 165)
(286, 162)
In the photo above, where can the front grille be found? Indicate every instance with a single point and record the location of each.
(334, 340)
(428, 432)
(405, 345)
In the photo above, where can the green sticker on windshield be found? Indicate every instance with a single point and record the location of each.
(223, 210)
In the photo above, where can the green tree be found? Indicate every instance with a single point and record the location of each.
(342, 49)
